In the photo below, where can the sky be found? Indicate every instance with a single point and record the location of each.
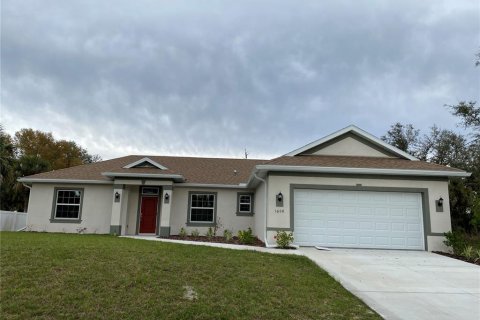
(211, 78)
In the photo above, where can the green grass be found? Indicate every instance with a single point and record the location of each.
(55, 276)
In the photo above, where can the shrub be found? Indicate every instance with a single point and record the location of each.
(246, 236)
(284, 239)
(455, 240)
(227, 235)
(209, 233)
(468, 253)
(195, 233)
(182, 233)
(477, 256)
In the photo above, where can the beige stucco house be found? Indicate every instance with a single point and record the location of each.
(349, 189)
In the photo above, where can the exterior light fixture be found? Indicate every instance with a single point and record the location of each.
(440, 202)
(279, 197)
(166, 198)
(117, 196)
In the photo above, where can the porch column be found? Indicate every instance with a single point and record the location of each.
(117, 200)
(124, 211)
(165, 210)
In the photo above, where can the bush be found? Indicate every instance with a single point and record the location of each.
(246, 236)
(227, 235)
(182, 233)
(477, 256)
(209, 233)
(455, 240)
(195, 233)
(468, 253)
(284, 239)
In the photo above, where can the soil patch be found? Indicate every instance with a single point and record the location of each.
(457, 257)
(257, 242)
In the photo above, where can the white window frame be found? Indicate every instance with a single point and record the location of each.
(240, 203)
(212, 208)
(79, 205)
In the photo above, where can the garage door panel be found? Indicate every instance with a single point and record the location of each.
(363, 219)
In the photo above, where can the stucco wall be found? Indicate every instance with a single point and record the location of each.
(440, 221)
(96, 209)
(132, 209)
(259, 218)
(348, 145)
(226, 210)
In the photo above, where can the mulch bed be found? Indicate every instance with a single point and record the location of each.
(257, 242)
(456, 257)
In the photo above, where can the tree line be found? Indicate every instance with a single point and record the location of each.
(29, 152)
(449, 148)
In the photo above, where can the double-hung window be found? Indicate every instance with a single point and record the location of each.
(67, 205)
(202, 208)
(245, 204)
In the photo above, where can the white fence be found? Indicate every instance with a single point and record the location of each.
(12, 221)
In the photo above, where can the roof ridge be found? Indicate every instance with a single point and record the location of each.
(194, 157)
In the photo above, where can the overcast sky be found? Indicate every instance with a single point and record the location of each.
(210, 78)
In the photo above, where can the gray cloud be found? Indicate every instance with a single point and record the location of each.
(210, 78)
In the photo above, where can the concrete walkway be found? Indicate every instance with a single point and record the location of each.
(405, 284)
(396, 284)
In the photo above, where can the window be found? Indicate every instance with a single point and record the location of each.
(202, 208)
(67, 204)
(245, 204)
(149, 191)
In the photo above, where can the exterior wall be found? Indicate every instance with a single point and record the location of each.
(96, 209)
(348, 145)
(279, 218)
(226, 211)
(260, 208)
(132, 209)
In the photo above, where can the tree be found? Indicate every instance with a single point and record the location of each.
(469, 115)
(448, 148)
(31, 152)
(403, 136)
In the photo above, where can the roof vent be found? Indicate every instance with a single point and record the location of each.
(235, 172)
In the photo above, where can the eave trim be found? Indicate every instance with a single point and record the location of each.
(367, 136)
(79, 181)
(375, 171)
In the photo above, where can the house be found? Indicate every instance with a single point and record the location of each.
(348, 189)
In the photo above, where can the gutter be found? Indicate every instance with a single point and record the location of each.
(39, 180)
(212, 185)
(375, 171)
(266, 210)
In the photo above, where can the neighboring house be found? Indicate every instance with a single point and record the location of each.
(349, 189)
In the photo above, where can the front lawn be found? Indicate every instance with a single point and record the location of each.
(53, 276)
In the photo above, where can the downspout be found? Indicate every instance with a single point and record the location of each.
(27, 186)
(30, 191)
(266, 211)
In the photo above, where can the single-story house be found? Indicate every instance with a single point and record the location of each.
(348, 189)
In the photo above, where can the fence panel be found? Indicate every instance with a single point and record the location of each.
(12, 221)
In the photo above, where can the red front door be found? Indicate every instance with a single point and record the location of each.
(148, 214)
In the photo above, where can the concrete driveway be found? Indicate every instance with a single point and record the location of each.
(405, 284)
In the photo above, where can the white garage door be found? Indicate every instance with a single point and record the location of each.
(358, 219)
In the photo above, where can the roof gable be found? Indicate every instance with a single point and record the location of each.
(145, 163)
(351, 141)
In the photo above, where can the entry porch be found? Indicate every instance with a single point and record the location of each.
(141, 207)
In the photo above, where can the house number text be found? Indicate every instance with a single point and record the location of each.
(279, 210)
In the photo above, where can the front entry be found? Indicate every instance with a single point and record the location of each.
(148, 214)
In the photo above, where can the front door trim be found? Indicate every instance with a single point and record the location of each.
(139, 207)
